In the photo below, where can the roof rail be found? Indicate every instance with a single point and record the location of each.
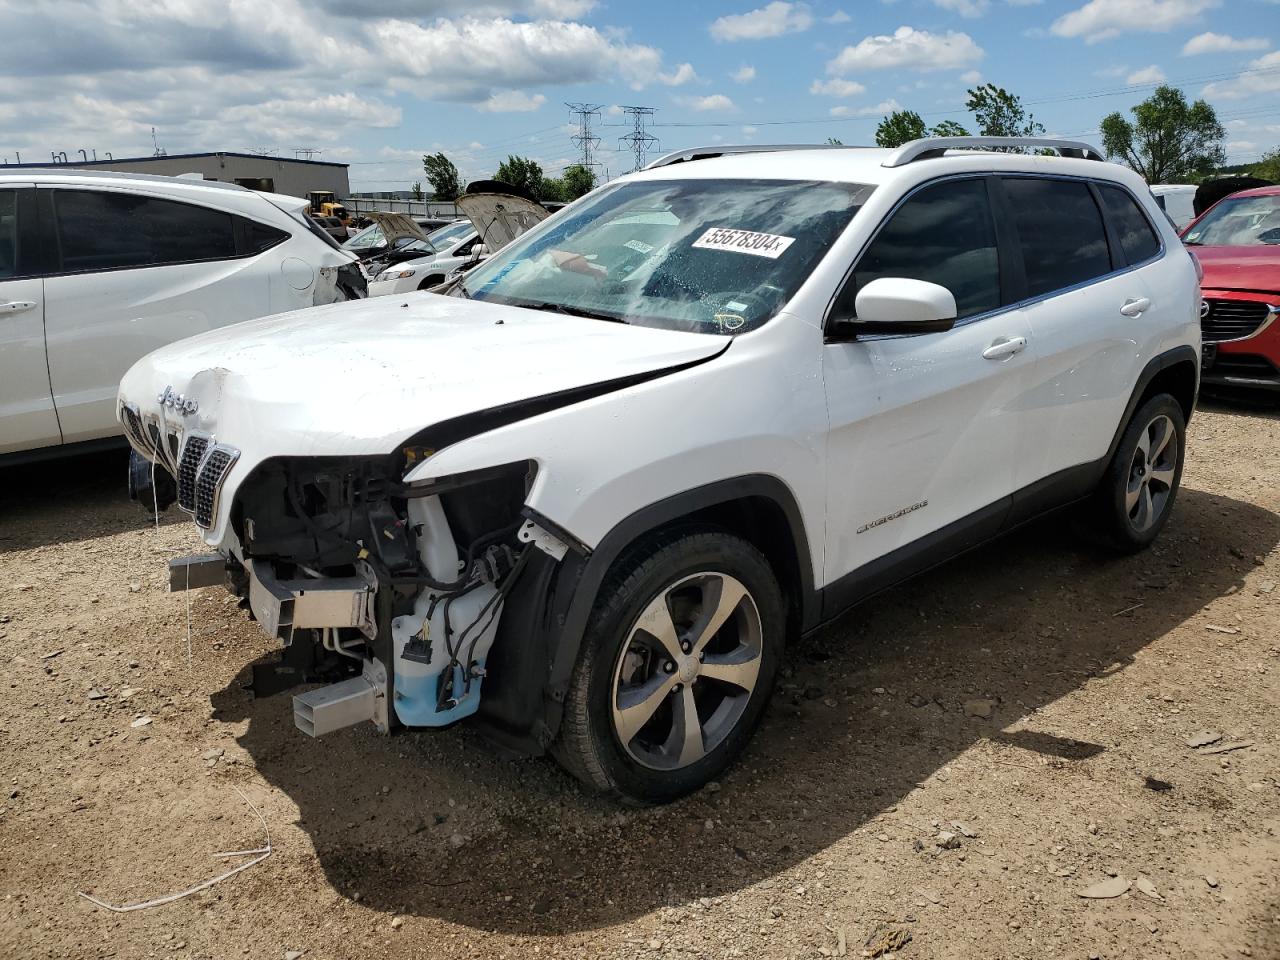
(930, 148)
(720, 150)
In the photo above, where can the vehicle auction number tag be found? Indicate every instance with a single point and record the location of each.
(744, 241)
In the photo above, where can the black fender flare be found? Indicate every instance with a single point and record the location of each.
(1155, 366)
(583, 574)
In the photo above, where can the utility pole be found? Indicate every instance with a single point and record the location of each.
(639, 140)
(584, 138)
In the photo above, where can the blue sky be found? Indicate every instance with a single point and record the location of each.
(376, 83)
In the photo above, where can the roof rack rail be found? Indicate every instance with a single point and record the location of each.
(720, 150)
(929, 148)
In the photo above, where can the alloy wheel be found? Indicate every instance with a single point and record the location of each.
(687, 670)
(1151, 474)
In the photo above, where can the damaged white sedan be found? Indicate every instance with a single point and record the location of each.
(581, 500)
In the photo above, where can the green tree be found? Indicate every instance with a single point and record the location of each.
(1169, 140)
(1001, 114)
(899, 127)
(948, 128)
(834, 142)
(417, 190)
(577, 181)
(443, 176)
(1268, 168)
(523, 173)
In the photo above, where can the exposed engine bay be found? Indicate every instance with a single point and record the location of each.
(392, 593)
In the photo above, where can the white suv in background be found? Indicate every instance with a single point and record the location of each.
(97, 269)
(584, 499)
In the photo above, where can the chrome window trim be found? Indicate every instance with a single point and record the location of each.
(1020, 304)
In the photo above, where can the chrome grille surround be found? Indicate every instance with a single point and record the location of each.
(213, 471)
(202, 469)
(193, 451)
(135, 432)
(1223, 320)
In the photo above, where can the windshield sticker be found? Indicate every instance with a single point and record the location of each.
(768, 245)
(735, 306)
(639, 246)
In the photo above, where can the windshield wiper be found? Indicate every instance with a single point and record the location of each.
(572, 311)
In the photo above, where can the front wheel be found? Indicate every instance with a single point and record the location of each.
(679, 659)
(1135, 498)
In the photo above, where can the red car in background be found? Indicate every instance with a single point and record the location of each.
(1237, 242)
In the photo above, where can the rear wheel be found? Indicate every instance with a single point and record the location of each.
(678, 662)
(1136, 495)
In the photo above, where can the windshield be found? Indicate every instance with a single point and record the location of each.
(443, 237)
(1239, 221)
(370, 236)
(711, 256)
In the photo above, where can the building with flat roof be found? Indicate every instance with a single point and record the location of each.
(285, 175)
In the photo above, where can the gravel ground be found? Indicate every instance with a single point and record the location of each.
(956, 761)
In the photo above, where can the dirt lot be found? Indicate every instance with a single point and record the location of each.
(1096, 670)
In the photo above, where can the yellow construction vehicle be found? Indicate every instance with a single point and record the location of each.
(323, 204)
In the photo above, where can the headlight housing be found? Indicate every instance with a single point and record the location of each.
(393, 275)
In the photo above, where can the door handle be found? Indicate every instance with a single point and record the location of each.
(1134, 306)
(1005, 347)
(16, 306)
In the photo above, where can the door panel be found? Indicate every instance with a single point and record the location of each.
(1087, 350)
(921, 424)
(925, 429)
(27, 417)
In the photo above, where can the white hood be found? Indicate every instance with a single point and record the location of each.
(359, 378)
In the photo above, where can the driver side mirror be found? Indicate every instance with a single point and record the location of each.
(898, 305)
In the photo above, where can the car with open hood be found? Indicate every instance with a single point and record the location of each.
(582, 500)
(1237, 244)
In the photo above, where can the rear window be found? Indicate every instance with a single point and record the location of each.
(1060, 231)
(1137, 238)
(100, 230)
(8, 233)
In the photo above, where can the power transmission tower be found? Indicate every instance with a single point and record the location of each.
(584, 138)
(639, 140)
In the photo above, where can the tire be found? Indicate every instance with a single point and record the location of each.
(1136, 496)
(429, 282)
(632, 667)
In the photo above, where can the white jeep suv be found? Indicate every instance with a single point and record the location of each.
(584, 499)
(97, 269)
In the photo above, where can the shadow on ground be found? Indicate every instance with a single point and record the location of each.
(1023, 622)
(69, 499)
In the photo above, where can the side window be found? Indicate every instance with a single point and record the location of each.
(1137, 239)
(8, 234)
(100, 230)
(943, 234)
(262, 237)
(1060, 231)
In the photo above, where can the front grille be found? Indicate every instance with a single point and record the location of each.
(212, 472)
(188, 466)
(134, 431)
(1232, 319)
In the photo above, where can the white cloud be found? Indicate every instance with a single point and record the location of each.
(749, 131)
(838, 17)
(965, 8)
(881, 109)
(614, 110)
(679, 76)
(1116, 70)
(1103, 19)
(836, 87)
(711, 102)
(910, 49)
(1265, 80)
(512, 101)
(972, 76)
(771, 20)
(1151, 74)
(1024, 3)
(1241, 146)
(744, 74)
(1221, 43)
